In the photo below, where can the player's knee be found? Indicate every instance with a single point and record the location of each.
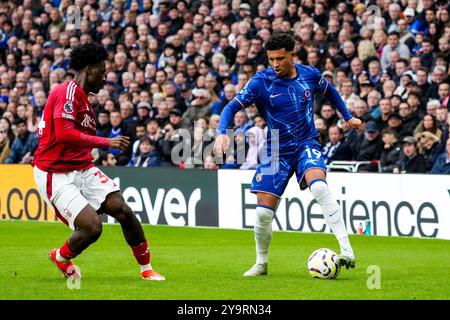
(122, 212)
(319, 189)
(264, 215)
(94, 230)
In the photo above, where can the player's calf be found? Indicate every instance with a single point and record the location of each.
(116, 207)
(331, 212)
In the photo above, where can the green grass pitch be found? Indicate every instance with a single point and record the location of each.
(201, 263)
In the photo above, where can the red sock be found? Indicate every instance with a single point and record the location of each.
(66, 253)
(142, 253)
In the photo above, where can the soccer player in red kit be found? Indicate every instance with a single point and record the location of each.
(65, 175)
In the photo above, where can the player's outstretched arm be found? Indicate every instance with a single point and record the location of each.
(247, 96)
(66, 133)
(335, 99)
(222, 141)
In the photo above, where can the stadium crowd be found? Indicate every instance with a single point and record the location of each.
(173, 65)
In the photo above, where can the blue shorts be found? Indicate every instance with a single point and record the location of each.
(273, 174)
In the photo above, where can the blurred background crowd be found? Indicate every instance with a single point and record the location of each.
(173, 65)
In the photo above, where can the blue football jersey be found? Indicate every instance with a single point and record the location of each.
(287, 104)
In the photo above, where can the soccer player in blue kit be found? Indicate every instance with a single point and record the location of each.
(283, 93)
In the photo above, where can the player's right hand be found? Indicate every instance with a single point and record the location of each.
(119, 142)
(221, 144)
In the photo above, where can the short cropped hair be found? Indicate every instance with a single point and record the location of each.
(280, 40)
(87, 55)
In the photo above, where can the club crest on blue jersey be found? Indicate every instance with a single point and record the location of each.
(68, 107)
(306, 93)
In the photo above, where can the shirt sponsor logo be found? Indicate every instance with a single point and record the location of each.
(88, 122)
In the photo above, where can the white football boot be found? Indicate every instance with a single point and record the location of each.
(257, 270)
(346, 258)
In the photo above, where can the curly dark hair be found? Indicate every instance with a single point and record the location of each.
(280, 40)
(87, 54)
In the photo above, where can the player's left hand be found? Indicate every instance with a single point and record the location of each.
(119, 142)
(221, 144)
(355, 123)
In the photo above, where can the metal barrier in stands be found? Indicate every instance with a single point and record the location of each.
(352, 166)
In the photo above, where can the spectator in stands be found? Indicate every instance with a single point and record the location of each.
(148, 155)
(444, 94)
(140, 135)
(432, 106)
(429, 123)
(437, 77)
(32, 118)
(163, 116)
(336, 148)
(229, 93)
(176, 119)
(442, 164)
(414, 104)
(254, 154)
(373, 100)
(152, 129)
(427, 55)
(395, 123)
(441, 118)
(5, 147)
(391, 150)
(39, 101)
(213, 129)
(328, 114)
(107, 160)
(201, 105)
(410, 160)
(209, 163)
(144, 111)
(24, 146)
(366, 86)
(7, 128)
(388, 88)
(369, 146)
(198, 143)
(375, 72)
(360, 109)
(241, 121)
(347, 90)
(103, 124)
(236, 155)
(118, 128)
(127, 113)
(393, 44)
(322, 129)
(428, 144)
(385, 111)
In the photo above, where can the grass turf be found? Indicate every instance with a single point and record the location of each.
(202, 263)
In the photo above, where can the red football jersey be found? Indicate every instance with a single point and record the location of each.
(68, 101)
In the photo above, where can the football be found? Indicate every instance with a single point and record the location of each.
(322, 264)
